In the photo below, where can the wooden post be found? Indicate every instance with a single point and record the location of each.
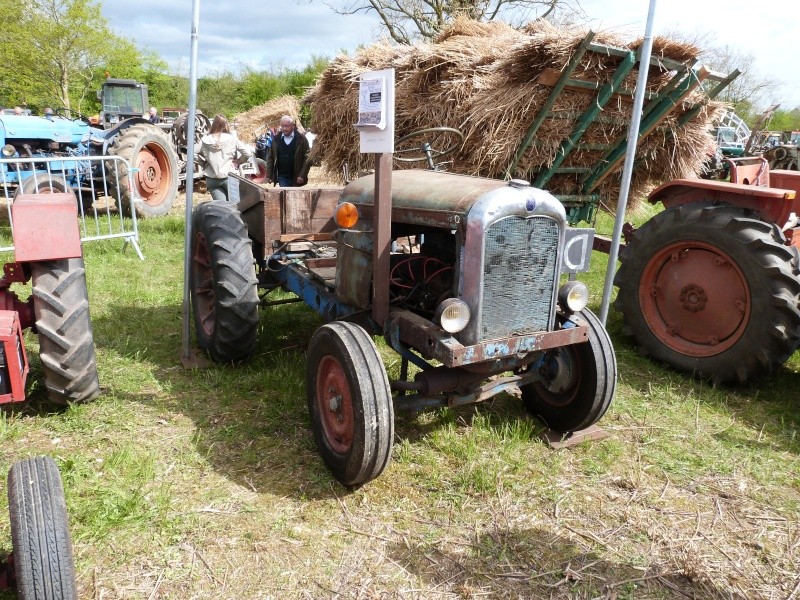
(382, 229)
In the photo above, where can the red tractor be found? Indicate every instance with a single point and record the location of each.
(47, 252)
(711, 285)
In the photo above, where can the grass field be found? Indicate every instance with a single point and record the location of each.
(206, 483)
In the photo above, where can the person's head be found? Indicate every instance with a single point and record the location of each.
(153, 111)
(220, 125)
(17, 110)
(48, 112)
(287, 125)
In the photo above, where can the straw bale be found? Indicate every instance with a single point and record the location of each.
(252, 122)
(484, 79)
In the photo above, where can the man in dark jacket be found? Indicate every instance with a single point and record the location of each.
(288, 163)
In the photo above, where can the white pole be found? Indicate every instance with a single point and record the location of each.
(187, 242)
(627, 170)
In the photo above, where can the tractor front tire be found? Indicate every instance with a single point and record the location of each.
(711, 290)
(40, 531)
(350, 403)
(66, 344)
(223, 283)
(578, 382)
(154, 181)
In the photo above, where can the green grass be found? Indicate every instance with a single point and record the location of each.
(206, 483)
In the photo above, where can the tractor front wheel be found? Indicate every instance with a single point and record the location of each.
(66, 344)
(578, 382)
(223, 282)
(350, 403)
(154, 180)
(711, 290)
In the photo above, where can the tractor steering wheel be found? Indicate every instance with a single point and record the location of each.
(427, 145)
(72, 115)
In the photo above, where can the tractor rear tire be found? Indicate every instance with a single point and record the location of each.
(711, 290)
(155, 183)
(579, 384)
(40, 531)
(223, 283)
(66, 346)
(350, 403)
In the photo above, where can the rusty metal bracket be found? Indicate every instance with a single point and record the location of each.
(195, 360)
(557, 441)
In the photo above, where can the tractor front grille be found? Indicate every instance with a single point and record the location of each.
(520, 272)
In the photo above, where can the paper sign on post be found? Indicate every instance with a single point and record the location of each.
(376, 111)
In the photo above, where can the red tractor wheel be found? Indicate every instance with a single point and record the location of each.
(155, 179)
(712, 291)
(350, 403)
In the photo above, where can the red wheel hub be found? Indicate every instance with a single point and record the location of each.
(335, 405)
(695, 298)
(154, 177)
(203, 275)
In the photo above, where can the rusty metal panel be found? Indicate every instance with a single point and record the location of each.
(322, 209)
(434, 343)
(297, 210)
(45, 227)
(354, 272)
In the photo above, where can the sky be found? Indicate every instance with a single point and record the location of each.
(270, 34)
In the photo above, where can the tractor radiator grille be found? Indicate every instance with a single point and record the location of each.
(519, 274)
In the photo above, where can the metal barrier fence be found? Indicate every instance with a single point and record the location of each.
(96, 184)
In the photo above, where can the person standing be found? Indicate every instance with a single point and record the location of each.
(153, 118)
(218, 149)
(288, 163)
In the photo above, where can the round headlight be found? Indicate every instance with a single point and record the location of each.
(8, 150)
(452, 315)
(573, 296)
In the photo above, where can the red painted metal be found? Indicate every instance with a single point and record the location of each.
(335, 405)
(7, 575)
(698, 302)
(16, 367)
(9, 301)
(45, 227)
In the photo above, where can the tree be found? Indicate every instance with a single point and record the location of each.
(409, 20)
(61, 63)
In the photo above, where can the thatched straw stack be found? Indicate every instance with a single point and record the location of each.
(253, 122)
(482, 78)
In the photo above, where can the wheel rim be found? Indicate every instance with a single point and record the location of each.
(203, 278)
(695, 299)
(335, 405)
(562, 379)
(154, 179)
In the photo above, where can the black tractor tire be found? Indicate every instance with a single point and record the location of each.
(42, 548)
(578, 384)
(44, 183)
(223, 283)
(148, 149)
(66, 344)
(711, 290)
(350, 403)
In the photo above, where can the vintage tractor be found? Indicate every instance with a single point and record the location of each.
(47, 252)
(126, 100)
(469, 280)
(146, 149)
(711, 285)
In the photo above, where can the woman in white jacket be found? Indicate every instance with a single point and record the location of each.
(218, 149)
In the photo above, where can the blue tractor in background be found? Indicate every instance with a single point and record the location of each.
(148, 152)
